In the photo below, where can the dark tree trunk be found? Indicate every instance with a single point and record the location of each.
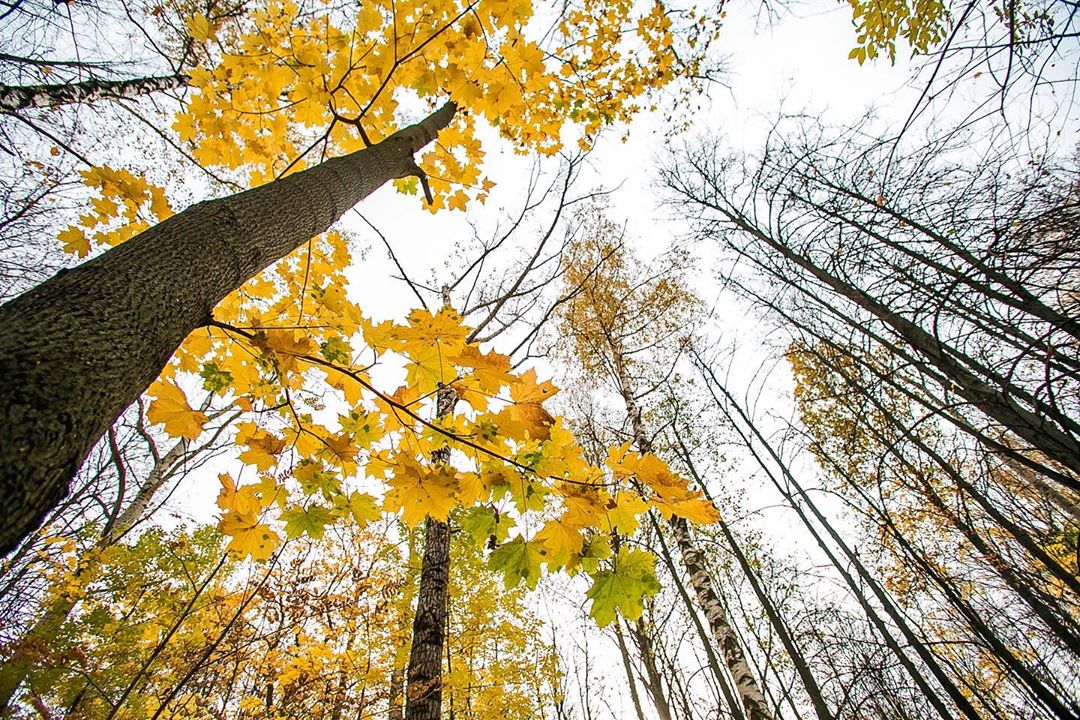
(80, 347)
(20, 97)
(993, 398)
(797, 499)
(628, 666)
(654, 682)
(424, 695)
(423, 698)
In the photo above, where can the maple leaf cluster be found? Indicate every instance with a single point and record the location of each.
(514, 467)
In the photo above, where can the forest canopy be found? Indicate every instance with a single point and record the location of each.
(490, 358)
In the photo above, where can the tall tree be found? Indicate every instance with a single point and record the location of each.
(137, 303)
(624, 310)
(367, 91)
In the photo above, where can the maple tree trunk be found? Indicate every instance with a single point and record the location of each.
(20, 97)
(423, 697)
(14, 672)
(79, 348)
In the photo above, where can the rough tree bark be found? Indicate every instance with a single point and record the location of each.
(14, 672)
(423, 698)
(80, 347)
(19, 97)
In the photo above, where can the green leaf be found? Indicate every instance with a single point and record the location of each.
(624, 588)
(595, 549)
(214, 378)
(336, 350)
(517, 560)
(311, 521)
(482, 523)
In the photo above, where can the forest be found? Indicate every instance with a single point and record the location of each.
(513, 359)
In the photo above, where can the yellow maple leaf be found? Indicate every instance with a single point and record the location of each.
(170, 408)
(75, 241)
(560, 540)
(200, 27)
(239, 500)
(339, 450)
(528, 390)
(621, 512)
(419, 491)
(426, 328)
(693, 507)
(262, 447)
(287, 346)
(491, 371)
(248, 535)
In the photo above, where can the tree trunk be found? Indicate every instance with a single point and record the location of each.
(722, 681)
(694, 562)
(80, 347)
(746, 685)
(19, 97)
(654, 683)
(802, 667)
(631, 683)
(423, 698)
(424, 695)
(995, 402)
(14, 672)
(797, 498)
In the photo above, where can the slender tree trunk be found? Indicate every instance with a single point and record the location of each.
(654, 683)
(80, 347)
(631, 683)
(797, 497)
(423, 699)
(396, 705)
(722, 681)
(394, 710)
(995, 402)
(746, 685)
(802, 667)
(694, 561)
(20, 97)
(424, 695)
(1022, 537)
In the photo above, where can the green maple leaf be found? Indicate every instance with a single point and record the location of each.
(482, 523)
(624, 588)
(214, 378)
(517, 560)
(311, 521)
